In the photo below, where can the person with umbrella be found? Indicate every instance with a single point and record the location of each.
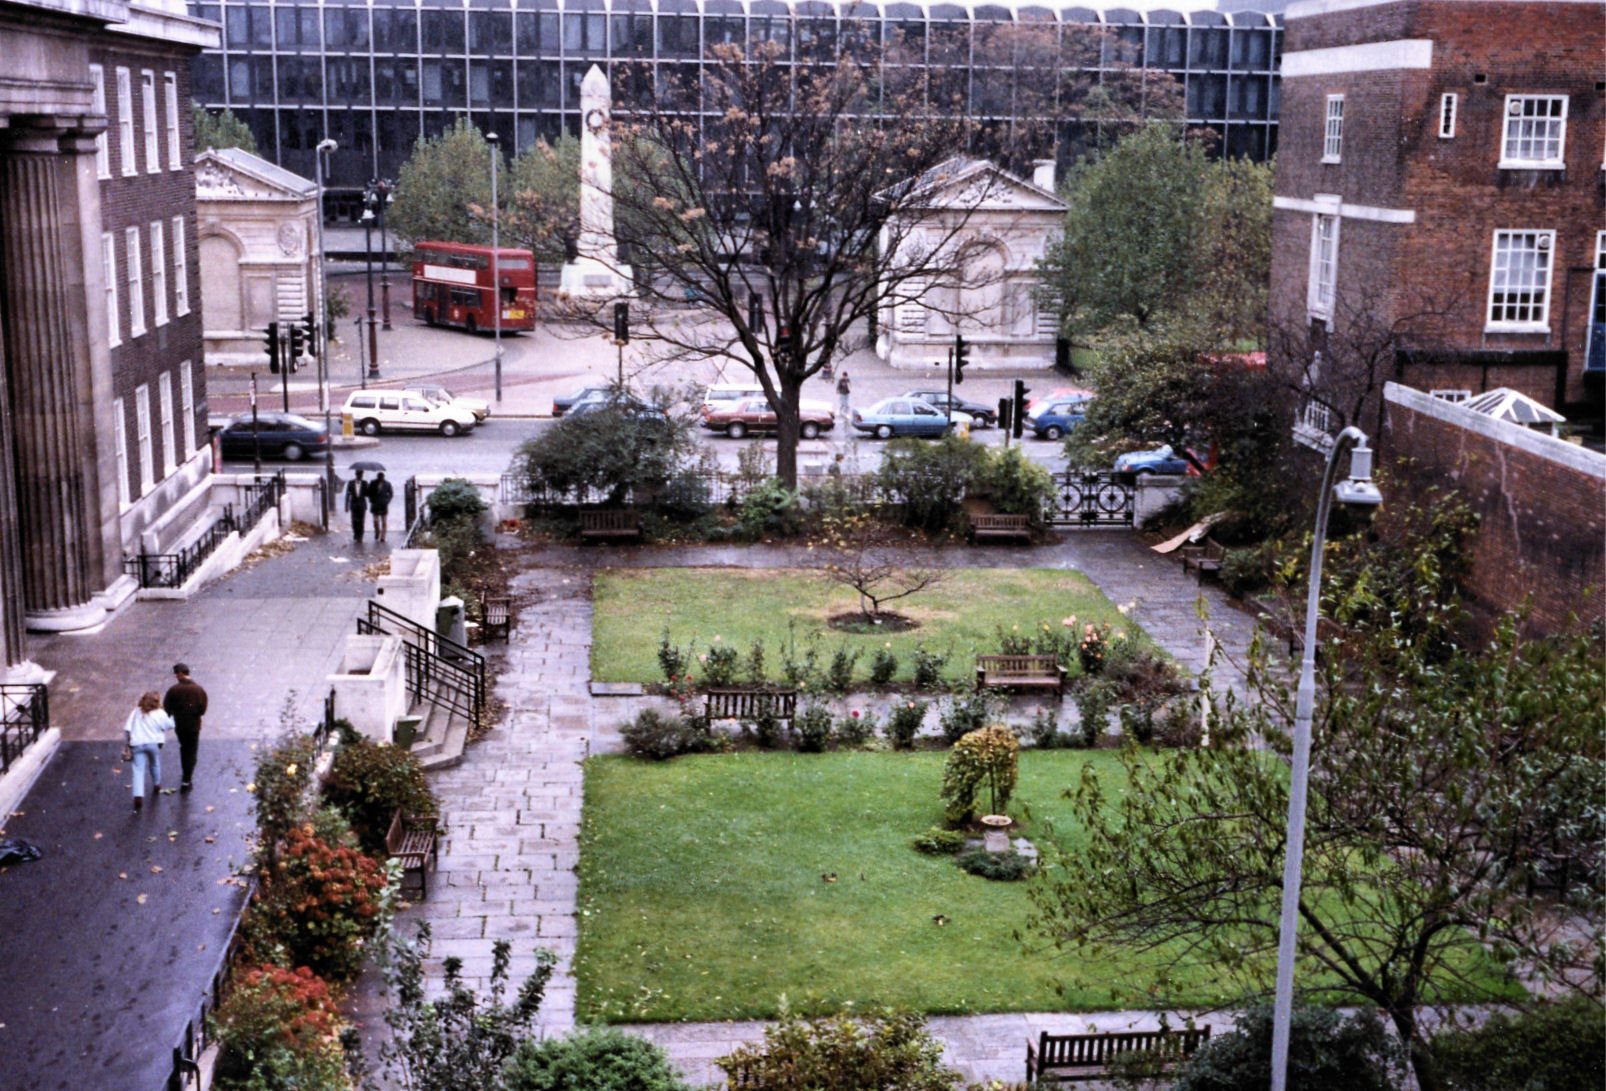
(357, 504)
(379, 494)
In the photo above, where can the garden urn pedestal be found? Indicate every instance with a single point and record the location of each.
(995, 837)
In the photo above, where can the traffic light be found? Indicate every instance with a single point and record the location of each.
(1006, 413)
(309, 334)
(961, 358)
(270, 341)
(621, 322)
(297, 344)
(1017, 425)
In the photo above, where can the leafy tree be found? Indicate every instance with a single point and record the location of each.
(443, 191)
(220, 130)
(929, 480)
(1447, 784)
(597, 1060)
(883, 1052)
(1327, 1051)
(543, 207)
(613, 450)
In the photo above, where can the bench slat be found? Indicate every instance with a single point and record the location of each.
(1075, 1058)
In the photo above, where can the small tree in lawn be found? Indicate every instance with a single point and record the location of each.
(879, 574)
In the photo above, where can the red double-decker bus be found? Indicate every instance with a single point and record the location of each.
(452, 286)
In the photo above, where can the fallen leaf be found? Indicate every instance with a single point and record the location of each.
(98, 835)
(210, 808)
(156, 869)
(210, 840)
(122, 874)
(143, 898)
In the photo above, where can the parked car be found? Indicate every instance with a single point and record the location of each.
(624, 402)
(755, 415)
(565, 402)
(438, 394)
(902, 417)
(724, 395)
(981, 416)
(1058, 394)
(1052, 419)
(1159, 460)
(373, 411)
(280, 435)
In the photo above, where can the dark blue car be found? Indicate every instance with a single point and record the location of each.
(1052, 419)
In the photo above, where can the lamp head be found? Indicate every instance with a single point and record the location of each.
(1357, 490)
(327, 144)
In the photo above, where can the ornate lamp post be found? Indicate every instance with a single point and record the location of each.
(381, 191)
(368, 253)
(496, 270)
(321, 315)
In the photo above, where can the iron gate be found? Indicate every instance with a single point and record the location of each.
(1094, 499)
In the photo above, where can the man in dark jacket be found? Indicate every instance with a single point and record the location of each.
(186, 703)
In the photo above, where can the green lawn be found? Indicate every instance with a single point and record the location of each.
(960, 616)
(702, 897)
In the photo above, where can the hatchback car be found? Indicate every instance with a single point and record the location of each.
(981, 416)
(1052, 419)
(902, 417)
(625, 403)
(438, 394)
(373, 411)
(755, 415)
(278, 435)
(1160, 460)
(565, 402)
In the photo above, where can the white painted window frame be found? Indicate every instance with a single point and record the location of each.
(136, 283)
(153, 139)
(103, 144)
(1449, 106)
(186, 404)
(1333, 130)
(1517, 127)
(120, 442)
(164, 402)
(175, 143)
(158, 275)
(1544, 243)
(108, 270)
(181, 269)
(1322, 286)
(142, 436)
(125, 123)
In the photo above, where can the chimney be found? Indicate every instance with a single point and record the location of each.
(1043, 174)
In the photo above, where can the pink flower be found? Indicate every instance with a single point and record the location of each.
(854, 714)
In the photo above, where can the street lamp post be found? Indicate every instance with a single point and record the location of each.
(321, 315)
(496, 278)
(1355, 491)
(381, 189)
(362, 376)
(368, 253)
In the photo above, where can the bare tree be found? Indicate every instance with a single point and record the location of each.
(881, 573)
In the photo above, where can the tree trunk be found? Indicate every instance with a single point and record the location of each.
(786, 429)
(1404, 1020)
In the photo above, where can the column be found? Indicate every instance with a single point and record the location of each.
(49, 424)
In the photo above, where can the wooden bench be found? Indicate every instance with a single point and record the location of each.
(1020, 672)
(1078, 1058)
(1001, 526)
(496, 617)
(597, 524)
(749, 704)
(413, 840)
(1203, 558)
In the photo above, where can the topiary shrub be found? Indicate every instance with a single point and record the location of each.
(903, 723)
(939, 842)
(839, 673)
(279, 1030)
(596, 1059)
(882, 1051)
(1003, 867)
(455, 500)
(1327, 1051)
(984, 761)
(659, 737)
(883, 665)
(369, 782)
(1552, 1047)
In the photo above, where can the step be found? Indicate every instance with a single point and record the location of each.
(442, 739)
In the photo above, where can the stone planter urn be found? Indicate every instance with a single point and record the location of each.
(995, 838)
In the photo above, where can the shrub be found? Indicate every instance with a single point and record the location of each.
(1092, 647)
(965, 713)
(609, 450)
(1176, 723)
(876, 1053)
(928, 480)
(671, 660)
(658, 737)
(883, 665)
(1012, 641)
(279, 787)
(1094, 700)
(986, 760)
(812, 728)
(279, 1030)
(939, 842)
(1327, 1051)
(765, 729)
(856, 727)
(839, 675)
(1016, 484)
(1045, 729)
(769, 510)
(904, 721)
(754, 664)
(369, 782)
(319, 905)
(455, 501)
(1245, 571)
(799, 668)
(1003, 867)
(928, 667)
(719, 664)
(595, 1059)
(1552, 1047)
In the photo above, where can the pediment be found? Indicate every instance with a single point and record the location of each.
(975, 184)
(235, 175)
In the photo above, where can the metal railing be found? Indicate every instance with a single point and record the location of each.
(193, 1040)
(706, 488)
(439, 669)
(27, 716)
(175, 569)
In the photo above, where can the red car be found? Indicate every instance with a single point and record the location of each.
(737, 419)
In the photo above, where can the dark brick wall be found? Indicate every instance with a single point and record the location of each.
(138, 201)
(1542, 535)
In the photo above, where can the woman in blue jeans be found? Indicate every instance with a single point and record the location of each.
(144, 731)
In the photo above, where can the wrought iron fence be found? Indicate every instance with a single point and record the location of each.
(193, 1040)
(175, 569)
(711, 488)
(27, 716)
(1091, 500)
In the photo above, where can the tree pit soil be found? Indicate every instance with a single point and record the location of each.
(855, 622)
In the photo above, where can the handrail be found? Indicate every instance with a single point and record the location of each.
(436, 670)
(26, 716)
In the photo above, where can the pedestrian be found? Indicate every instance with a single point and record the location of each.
(144, 732)
(842, 389)
(379, 494)
(186, 703)
(357, 504)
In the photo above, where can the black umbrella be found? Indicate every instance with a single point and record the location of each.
(367, 465)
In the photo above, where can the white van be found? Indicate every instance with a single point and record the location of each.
(373, 411)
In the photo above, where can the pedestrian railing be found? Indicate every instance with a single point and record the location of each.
(26, 707)
(195, 1037)
(712, 488)
(175, 569)
(439, 669)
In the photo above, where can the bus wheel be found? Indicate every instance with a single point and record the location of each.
(470, 325)
(429, 316)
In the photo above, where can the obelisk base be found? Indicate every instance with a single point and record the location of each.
(588, 278)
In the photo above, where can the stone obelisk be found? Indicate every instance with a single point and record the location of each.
(596, 270)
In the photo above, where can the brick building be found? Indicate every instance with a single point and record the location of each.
(1439, 203)
(103, 414)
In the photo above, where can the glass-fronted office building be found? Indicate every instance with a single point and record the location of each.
(377, 74)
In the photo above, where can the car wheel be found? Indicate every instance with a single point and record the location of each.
(293, 452)
(1144, 471)
(1053, 432)
(736, 430)
(978, 420)
(369, 427)
(883, 431)
(810, 430)
(450, 428)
